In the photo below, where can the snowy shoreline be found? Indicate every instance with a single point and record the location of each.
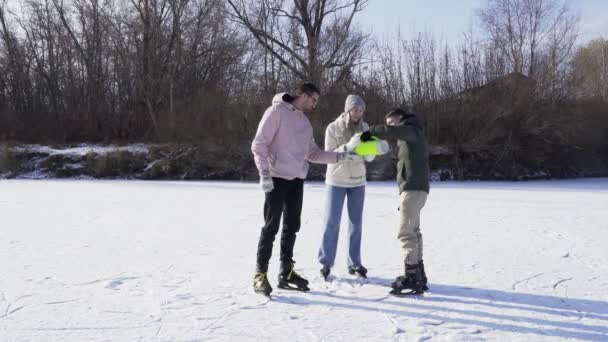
(204, 162)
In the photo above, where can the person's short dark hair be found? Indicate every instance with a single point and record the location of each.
(307, 88)
(395, 111)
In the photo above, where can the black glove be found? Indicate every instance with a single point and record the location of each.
(366, 136)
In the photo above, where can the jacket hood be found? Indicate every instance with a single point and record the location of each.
(283, 97)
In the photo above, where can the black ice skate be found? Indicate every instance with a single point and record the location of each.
(261, 284)
(360, 271)
(410, 284)
(289, 277)
(325, 272)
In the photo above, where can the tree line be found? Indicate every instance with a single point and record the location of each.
(185, 70)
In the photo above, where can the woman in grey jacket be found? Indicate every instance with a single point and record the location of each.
(345, 179)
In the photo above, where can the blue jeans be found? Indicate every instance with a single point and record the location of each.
(331, 224)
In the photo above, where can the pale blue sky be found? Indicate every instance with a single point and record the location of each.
(451, 18)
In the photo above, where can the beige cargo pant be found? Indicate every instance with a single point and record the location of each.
(410, 238)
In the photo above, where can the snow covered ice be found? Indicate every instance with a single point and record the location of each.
(174, 261)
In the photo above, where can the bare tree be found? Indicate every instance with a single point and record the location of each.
(522, 29)
(590, 70)
(311, 38)
(15, 74)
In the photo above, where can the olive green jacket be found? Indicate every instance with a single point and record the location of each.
(413, 166)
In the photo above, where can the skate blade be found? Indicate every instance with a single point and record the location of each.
(293, 288)
(405, 294)
(362, 276)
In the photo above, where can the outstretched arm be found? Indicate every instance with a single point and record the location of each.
(409, 133)
(318, 156)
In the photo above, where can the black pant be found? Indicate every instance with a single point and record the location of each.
(285, 199)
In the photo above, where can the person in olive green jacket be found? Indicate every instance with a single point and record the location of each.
(413, 179)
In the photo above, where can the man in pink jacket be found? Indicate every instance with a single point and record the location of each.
(282, 148)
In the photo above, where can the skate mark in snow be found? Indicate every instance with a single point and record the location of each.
(211, 326)
(118, 312)
(515, 284)
(8, 305)
(117, 282)
(160, 326)
(62, 301)
(432, 322)
(560, 282)
(22, 297)
(87, 328)
(260, 305)
(93, 282)
(396, 328)
(178, 299)
(9, 311)
(379, 298)
(184, 296)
